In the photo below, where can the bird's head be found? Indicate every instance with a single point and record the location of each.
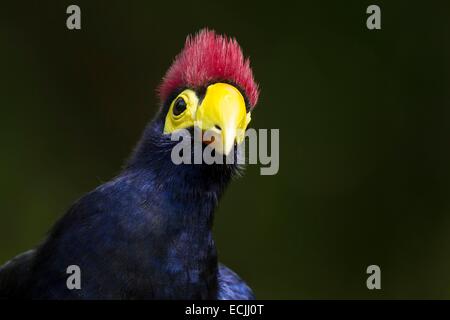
(210, 86)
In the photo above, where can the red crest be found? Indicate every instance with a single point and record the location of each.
(208, 57)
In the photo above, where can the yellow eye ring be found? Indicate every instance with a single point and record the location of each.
(179, 107)
(182, 111)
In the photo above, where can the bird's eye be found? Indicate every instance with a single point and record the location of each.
(179, 106)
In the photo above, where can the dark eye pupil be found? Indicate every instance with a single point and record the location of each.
(179, 106)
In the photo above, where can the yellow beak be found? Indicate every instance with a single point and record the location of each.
(223, 112)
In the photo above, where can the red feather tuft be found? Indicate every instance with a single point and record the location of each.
(208, 57)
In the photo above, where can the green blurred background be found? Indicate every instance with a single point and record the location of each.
(364, 119)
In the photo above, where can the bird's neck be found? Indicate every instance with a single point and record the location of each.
(182, 200)
(198, 184)
(181, 251)
(190, 192)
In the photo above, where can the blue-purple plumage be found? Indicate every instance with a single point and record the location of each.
(147, 234)
(231, 286)
(144, 235)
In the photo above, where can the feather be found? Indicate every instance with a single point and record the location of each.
(206, 58)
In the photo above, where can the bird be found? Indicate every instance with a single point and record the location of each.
(147, 233)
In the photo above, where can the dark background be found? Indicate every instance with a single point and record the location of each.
(364, 123)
